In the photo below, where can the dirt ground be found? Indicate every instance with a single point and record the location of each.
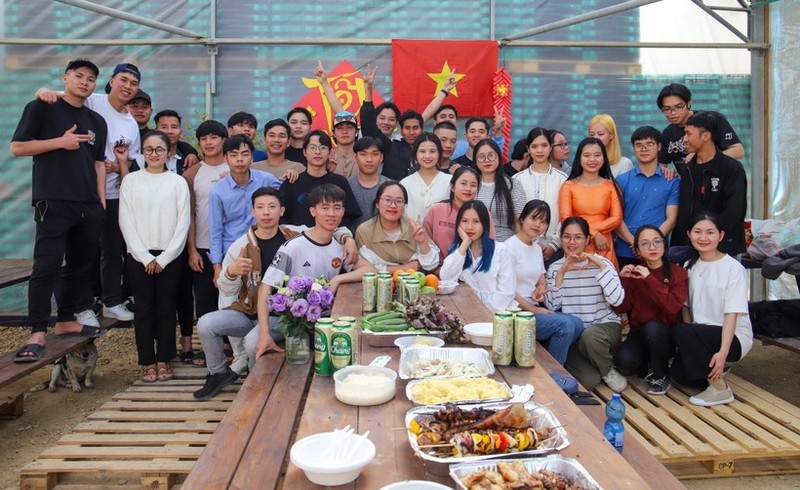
(48, 416)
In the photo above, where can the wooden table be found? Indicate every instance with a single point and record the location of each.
(14, 271)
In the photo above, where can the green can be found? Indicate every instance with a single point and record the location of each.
(412, 289)
(503, 338)
(323, 330)
(402, 280)
(514, 310)
(356, 337)
(341, 344)
(525, 339)
(384, 296)
(369, 291)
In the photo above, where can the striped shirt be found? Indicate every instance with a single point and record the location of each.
(588, 294)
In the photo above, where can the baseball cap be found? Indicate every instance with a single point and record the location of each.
(141, 94)
(127, 68)
(345, 117)
(79, 63)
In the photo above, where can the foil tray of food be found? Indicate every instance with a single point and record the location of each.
(426, 362)
(552, 471)
(460, 390)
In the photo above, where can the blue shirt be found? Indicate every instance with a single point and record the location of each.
(229, 210)
(644, 202)
(462, 146)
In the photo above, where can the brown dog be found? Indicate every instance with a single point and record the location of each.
(75, 367)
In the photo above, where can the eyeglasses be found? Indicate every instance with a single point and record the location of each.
(158, 151)
(573, 238)
(489, 157)
(674, 109)
(645, 146)
(388, 201)
(657, 243)
(563, 145)
(315, 148)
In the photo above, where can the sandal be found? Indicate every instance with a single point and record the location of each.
(29, 353)
(164, 371)
(148, 374)
(199, 359)
(186, 357)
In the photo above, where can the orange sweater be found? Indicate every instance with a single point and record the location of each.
(599, 205)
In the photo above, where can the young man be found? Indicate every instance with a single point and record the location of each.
(243, 267)
(369, 156)
(67, 141)
(317, 147)
(448, 137)
(141, 108)
(648, 197)
(245, 123)
(276, 141)
(476, 129)
(675, 101)
(211, 136)
(299, 119)
(711, 181)
(342, 160)
(314, 253)
(448, 113)
(169, 123)
(520, 158)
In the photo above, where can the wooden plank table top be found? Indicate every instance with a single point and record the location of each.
(14, 271)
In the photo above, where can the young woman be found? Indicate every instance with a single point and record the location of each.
(587, 285)
(559, 155)
(716, 325)
(591, 193)
(504, 200)
(654, 295)
(542, 181)
(154, 219)
(603, 128)
(479, 261)
(390, 240)
(559, 330)
(427, 185)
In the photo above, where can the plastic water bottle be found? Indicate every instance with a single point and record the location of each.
(613, 428)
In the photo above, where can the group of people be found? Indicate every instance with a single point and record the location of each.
(579, 243)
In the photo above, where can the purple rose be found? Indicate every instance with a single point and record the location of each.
(313, 313)
(327, 298)
(299, 308)
(308, 282)
(279, 303)
(297, 284)
(314, 298)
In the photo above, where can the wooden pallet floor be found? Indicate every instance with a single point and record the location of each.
(149, 434)
(758, 434)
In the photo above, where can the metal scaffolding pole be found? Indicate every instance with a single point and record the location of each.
(118, 14)
(721, 20)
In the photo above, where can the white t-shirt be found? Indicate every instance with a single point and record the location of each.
(494, 287)
(121, 127)
(528, 264)
(717, 288)
(301, 256)
(421, 197)
(206, 177)
(623, 165)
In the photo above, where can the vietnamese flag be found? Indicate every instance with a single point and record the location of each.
(420, 69)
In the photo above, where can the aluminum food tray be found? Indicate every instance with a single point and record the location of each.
(479, 358)
(411, 384)
(570, 468)
(538, 416)
(386, 339)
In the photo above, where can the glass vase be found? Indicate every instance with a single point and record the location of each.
(298, 349)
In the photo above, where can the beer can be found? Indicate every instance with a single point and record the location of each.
(369, 291)
(384, 296)
(323, 330)
(356, 337)
(525, 339)
(514, 310)
(503, 338)
(412, 289)
(341, 344)
(402, 280)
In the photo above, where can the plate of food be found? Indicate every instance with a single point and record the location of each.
(427, 362)
(436, 391)
(552, 471)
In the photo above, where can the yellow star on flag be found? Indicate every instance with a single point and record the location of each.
(441, 78)
(502, 90)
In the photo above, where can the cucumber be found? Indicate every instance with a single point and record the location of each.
(391, 321)
(390, 328)
(383, 314)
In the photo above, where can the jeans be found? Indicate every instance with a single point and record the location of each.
(211, 327)
(650, 345)
(561, 329)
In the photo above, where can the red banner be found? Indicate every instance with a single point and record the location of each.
(347, 83)
(501, 95)
(420, 69)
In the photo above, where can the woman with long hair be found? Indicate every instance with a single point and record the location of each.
(602, 127)
(479, 261)
(427, 185)
(655, 292)
(559, 154)
(503, 200)
(390, 240)
(591, 193)
(586, 285)
(556, 330)
(716, 326)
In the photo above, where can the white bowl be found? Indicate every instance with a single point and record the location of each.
(423, 340)
(313, 455)
(480, 333)
(447, 287)
(369, 385)
(415, 485)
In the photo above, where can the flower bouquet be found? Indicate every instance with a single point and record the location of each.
(298, 304)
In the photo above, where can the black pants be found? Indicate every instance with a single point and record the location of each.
(155, 297)
(111, 257)
(206, 295)
(650, 345)
(65, 231)
(185, 298)
(696, 345)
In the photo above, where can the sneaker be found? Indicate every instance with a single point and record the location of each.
(214, 383)
(647, 378)
(130, 304)
(239, 364)
(713, 396)
(119, 312)
(659, 386)
(87, 317)
(615, 381)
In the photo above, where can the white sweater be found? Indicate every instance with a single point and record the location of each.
(546, 188)
(154, 212)
(495, 287)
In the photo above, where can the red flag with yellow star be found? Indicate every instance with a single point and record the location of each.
(347, 83)
(420, 68)
(501, 94)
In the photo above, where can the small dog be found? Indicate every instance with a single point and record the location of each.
(75, 367)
